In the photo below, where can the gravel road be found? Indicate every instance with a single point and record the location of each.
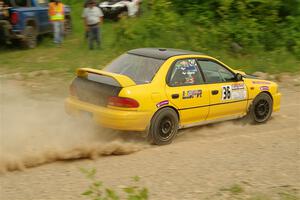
(203, 163)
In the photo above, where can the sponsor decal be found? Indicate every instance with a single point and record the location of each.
(239, 86)
(162, 103)
(226, 92)
(234, 92)
(264, 88)
(190, 94)
(261, 82)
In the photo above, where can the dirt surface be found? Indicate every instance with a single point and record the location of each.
(40, 147)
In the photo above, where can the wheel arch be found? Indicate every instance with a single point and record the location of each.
(268, 93)
(265, 92)
(31, 22)
(171, 107)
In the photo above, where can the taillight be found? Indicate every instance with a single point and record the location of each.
(122, 102)
(72, 90)
(14, 18)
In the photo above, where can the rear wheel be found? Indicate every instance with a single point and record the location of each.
(163, 127)
(68, 26)
(30, 38)
(261, 108)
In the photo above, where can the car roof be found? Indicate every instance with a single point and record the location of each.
(161, 53)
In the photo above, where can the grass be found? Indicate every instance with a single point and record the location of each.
(74, 53)
(96, 190)
(242, 191)
(234, 189)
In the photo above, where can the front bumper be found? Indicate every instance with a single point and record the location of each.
(276, 102)
(109, 118)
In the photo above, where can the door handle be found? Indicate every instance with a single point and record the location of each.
(175, 96)
(214, 92)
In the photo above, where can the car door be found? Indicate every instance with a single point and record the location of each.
(43, 17)
(186, 90)
(228, 97)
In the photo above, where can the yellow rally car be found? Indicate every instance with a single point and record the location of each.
(159, 91)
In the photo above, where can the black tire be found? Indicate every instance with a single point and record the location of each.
(68, 26)
(122, 15)
(163, 128)
(261, 108)
(30, 38)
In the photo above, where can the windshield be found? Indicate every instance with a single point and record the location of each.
(140, 69)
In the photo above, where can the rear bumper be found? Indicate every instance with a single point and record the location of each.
(109, 118)
(276, 102)
(7, 33)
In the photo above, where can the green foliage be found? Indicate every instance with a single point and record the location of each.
(234, 189)
(249, 24)
(96, 190)
(155, 28)
(250, 35)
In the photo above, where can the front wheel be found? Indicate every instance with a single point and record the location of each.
(163, 127)
(261, 108)
(68, 26)
(30, 38)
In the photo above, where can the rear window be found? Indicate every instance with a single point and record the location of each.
(139, 68)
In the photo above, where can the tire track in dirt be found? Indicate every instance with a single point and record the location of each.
(199, 162)
(45, 134)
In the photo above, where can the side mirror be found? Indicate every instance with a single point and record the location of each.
(238, 77)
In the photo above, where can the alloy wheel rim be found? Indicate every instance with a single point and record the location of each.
(262, 109)
(166, 128)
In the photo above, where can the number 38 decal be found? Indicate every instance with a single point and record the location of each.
(226, 92)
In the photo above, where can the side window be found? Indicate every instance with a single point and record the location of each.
(215, 73)
(43, 2)
(185, 72)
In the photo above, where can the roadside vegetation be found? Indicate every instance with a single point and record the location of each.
(243, 191)
(250, 35)
(96, 190)
(238, 191)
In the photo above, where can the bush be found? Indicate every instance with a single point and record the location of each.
(96, 191)
(196, 25)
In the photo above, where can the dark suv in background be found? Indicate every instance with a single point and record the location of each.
(23, 21)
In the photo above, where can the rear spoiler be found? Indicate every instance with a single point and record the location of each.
(123, 80)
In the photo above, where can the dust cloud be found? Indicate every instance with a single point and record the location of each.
(35, 130)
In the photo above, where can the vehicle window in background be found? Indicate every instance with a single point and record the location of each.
(215, 73)
(140, 69)
(43, 2)
(22, 3)
(7, 3)
(185, 72)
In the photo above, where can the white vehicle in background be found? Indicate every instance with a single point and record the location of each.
(115, 9)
